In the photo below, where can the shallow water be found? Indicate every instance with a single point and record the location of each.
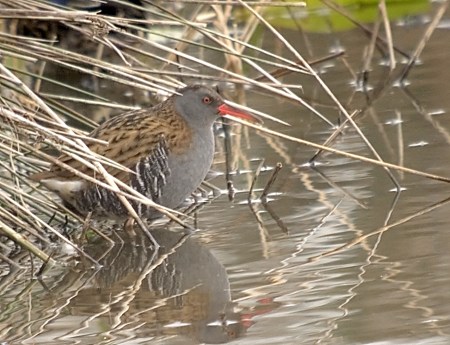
(242, 277)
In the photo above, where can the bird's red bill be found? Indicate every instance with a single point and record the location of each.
(225, 109)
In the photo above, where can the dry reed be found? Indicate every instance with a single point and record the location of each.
(151, 52)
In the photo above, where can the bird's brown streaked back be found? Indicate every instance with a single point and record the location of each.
(130, 136)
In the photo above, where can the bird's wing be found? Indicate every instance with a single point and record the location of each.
(150, 172)
(132, 137)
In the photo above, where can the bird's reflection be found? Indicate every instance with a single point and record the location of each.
(182, 290)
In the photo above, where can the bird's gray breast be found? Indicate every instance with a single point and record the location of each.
(188, 169)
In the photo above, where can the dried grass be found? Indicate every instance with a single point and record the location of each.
(171, 45)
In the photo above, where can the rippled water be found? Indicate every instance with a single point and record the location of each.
(242, 277)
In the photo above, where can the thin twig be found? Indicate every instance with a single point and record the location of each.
(22, 241)
(339, 188)
(387, 29)
(275, 217)
(343, 153)
(426, 36)
(380, 230)
(271, 180)
(255, 177)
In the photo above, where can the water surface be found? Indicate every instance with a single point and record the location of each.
(242, 277)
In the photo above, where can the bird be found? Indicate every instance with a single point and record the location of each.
(168, 150)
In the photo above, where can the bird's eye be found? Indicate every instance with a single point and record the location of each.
(207, 100)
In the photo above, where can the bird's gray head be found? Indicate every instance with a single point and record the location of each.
(200, 106)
